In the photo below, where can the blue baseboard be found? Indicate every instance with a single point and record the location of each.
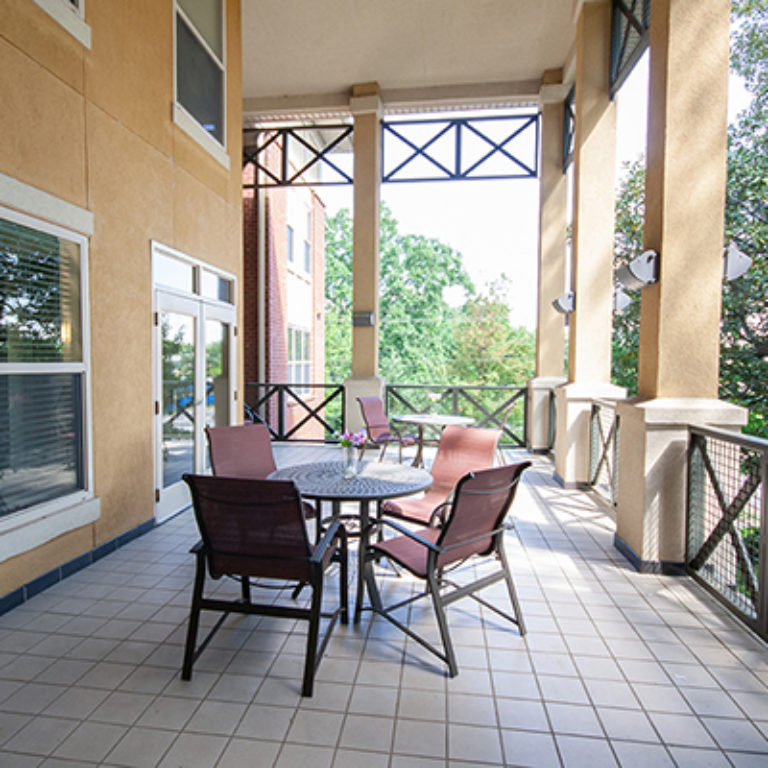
(54, 576)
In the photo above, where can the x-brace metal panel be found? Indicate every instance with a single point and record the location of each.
(630, 24)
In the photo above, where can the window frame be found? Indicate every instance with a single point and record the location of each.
(299, 363)
(69, 16)
(28, 528)
(181, 116)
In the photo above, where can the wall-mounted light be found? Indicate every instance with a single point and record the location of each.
(621, 300)
(362, 319)
(641, 271)
(735, 262)
(565, 303)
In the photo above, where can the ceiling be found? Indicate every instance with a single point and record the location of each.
(303, 56)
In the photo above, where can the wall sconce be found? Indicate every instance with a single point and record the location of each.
(566, 303)
(621, 300)
(641, 271)
(735, 262)
(362, 319)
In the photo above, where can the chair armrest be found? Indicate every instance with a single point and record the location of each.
(335, 530)
(438, 514)
(411, 535)
(199, 547)
(464, 542)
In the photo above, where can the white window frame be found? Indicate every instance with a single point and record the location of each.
(181, 117)
(299, 364)
(71, 18)
(28, 529)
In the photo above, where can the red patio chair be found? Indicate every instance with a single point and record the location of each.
(378, 429)
(474, 526)
(255, 529)
(461, 450)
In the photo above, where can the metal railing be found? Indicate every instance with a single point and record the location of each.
(603, 449)
(727, 515)
(500, 407)
(296, 411)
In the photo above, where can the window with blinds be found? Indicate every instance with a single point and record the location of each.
(42, 363)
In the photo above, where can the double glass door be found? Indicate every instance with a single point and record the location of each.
(194, 375)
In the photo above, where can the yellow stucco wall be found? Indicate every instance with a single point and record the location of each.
(94, 128)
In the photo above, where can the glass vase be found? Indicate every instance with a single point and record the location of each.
(350, 462)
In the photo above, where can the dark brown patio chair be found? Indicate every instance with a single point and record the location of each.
(474, 526)
(461, 450)
(379, 431)
(246, 452)
(255, 529)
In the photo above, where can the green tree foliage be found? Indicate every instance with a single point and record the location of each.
(422, 338)
(744, 329)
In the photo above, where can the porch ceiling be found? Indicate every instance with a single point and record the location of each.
(305, 54)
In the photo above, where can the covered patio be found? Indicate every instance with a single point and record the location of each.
(617, 668)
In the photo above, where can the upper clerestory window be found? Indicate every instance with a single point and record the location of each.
(70, 14)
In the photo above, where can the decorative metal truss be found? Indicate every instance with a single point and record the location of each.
(298, 155)
(630, 25)
(460, 149)
(569, 128)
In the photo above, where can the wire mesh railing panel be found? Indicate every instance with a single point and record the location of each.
(727, 520)
(603, 450)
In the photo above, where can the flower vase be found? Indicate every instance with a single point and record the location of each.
(350, 462)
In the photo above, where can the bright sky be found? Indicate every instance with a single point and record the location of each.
(494, 225)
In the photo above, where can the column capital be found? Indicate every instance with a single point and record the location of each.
(366, 100)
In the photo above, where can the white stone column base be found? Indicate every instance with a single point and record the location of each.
(537, 427)
(359, 386)
(573, 407)
(653, 443)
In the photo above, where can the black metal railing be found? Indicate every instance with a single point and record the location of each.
(499, 407)
(603, 449)
(306, 412)
(727, 515)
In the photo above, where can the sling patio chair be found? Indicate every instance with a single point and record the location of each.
(246, 452)
(379, 431)
(475, 526)
(461, 450)
(256, 529)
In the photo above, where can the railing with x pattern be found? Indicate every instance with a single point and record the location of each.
(726, 547)
(603, 449)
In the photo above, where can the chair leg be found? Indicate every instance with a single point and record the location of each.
(245, 588)
(442, 623)
(344, 581)
(312, 636)
(194, 618)
(511, 587)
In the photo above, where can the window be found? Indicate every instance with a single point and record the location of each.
(43, 364)
(200, 70)
(308, 244)
(299, 364)
(289, 243)
(69, 14)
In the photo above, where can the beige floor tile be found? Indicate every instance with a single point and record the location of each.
(293, 755)
(469, 742)
(367, 733)
(216, 717)
(193, 750)
(141, 748)
(312, 727)
(247, 752)
(265, 722)
(632, 754)
(536, 750)
(419, 737)
(90, 742)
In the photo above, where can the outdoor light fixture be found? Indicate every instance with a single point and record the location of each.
(641, 271)
(362, 319)
(621, 300)
(565, 303)
(735, 263)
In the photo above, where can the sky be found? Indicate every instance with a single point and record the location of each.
(494, 225)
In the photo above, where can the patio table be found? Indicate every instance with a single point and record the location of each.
(422, 420)
(323, 481)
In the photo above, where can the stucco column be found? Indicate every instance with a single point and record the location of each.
(680, 314)
(553, 202)
(366, 109)
(594, 157)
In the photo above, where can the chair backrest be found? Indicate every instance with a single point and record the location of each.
(251, 527)
(244, 451)
(375, 418)
(480, 504)
(461, 450)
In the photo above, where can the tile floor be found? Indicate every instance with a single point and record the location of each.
(617, 668)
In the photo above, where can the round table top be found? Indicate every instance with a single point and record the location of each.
(435, 419)
(374, 481)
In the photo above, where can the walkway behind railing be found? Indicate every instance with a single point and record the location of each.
(499, 407)
(603, 449)
(727, 546)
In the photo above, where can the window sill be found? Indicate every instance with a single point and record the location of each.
(25, 531)
(198, 134)
(63, 14)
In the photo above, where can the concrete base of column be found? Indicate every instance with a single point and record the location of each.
(359, 386)
(573, 407)
(537, 426)
(653, 443)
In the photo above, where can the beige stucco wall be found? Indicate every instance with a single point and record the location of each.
(94, 127)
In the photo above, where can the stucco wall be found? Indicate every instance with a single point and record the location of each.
(94, 127)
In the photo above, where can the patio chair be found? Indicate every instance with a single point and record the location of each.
(255, 529)
(379, 431)
(474, 526)
(246, 452)
(461, 450)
